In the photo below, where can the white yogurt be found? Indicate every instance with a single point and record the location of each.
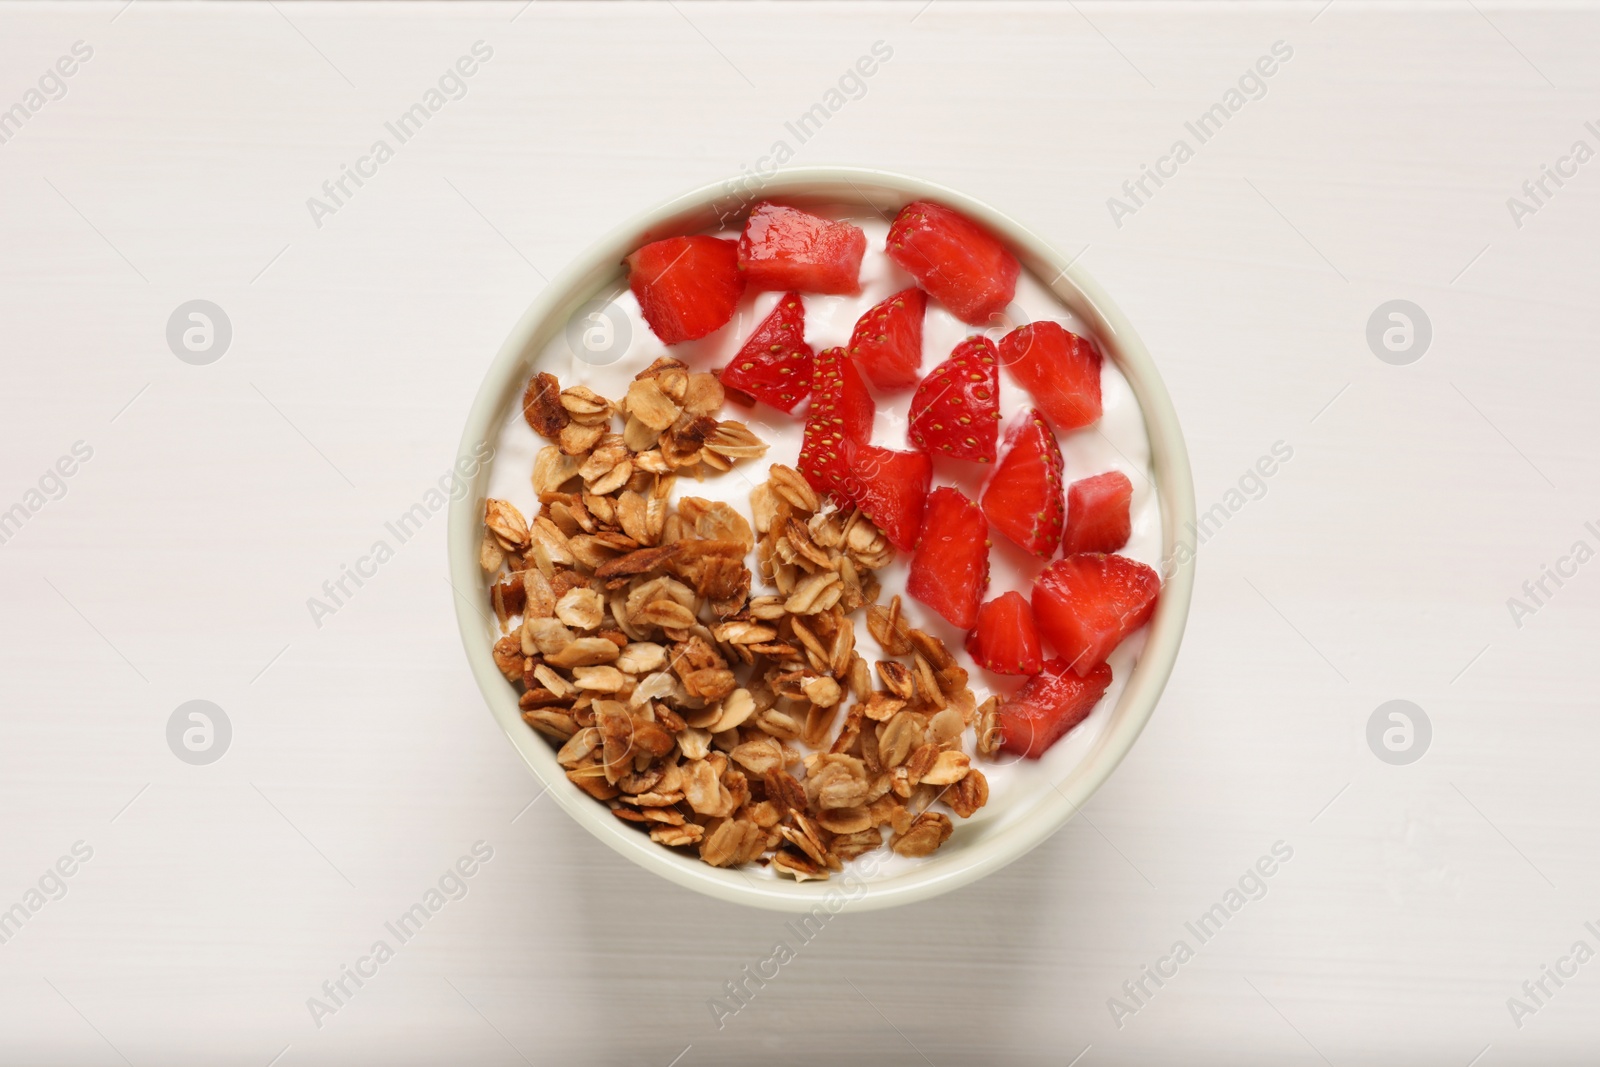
(1117, 442)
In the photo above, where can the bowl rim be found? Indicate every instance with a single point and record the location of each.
(601, 264)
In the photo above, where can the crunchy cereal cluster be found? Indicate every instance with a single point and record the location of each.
(677, 697)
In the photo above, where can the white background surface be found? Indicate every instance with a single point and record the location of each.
(219, 498)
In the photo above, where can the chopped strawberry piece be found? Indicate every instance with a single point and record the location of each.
(958, 262)
(786, 248)
(687, 286)
(1005, 640)
(891, 488)
(1023, 495)
(1049, 705)
(956, 410)
(1086, 604)
(1060, 369)
(840, 417)
(950, 568)
(1097, 514)
(887, 340)
(854, 405)
(775, 364)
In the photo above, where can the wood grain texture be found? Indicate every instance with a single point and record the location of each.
(1377, 563)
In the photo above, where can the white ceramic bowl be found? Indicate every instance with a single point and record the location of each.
(974, 850)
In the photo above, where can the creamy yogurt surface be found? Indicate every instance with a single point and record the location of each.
(612, 343)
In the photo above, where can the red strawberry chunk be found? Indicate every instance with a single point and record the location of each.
(1086, 604)
(887, 340)
(687, 286)
(1023, 495)
(840, 417)
(786, 248)
(1060, 369)
(1005, 640)
(956, 410)
(1049, 705)
(950, 568)
(1097, 514)
(958, 262)
(775, 364)
(891, 488)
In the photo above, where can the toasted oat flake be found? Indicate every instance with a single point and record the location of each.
(508, 657)
(650, 405)
(541, 406)
(678, 836)
(758, 757)
(506, 523)
(552, 469)
(948, 769)
(583, 652)
(823, 692)
(897, 679)
(581, 609)
(585, 405)
(800, 868)
(641, 657)
(818, 592)
(990, 737)
(736, 708)
(968, 795)
(925, 834)
(598, 679)
(899, 737)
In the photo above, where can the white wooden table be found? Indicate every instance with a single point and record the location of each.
(1376, 564)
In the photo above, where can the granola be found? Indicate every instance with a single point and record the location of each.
(696, 667)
